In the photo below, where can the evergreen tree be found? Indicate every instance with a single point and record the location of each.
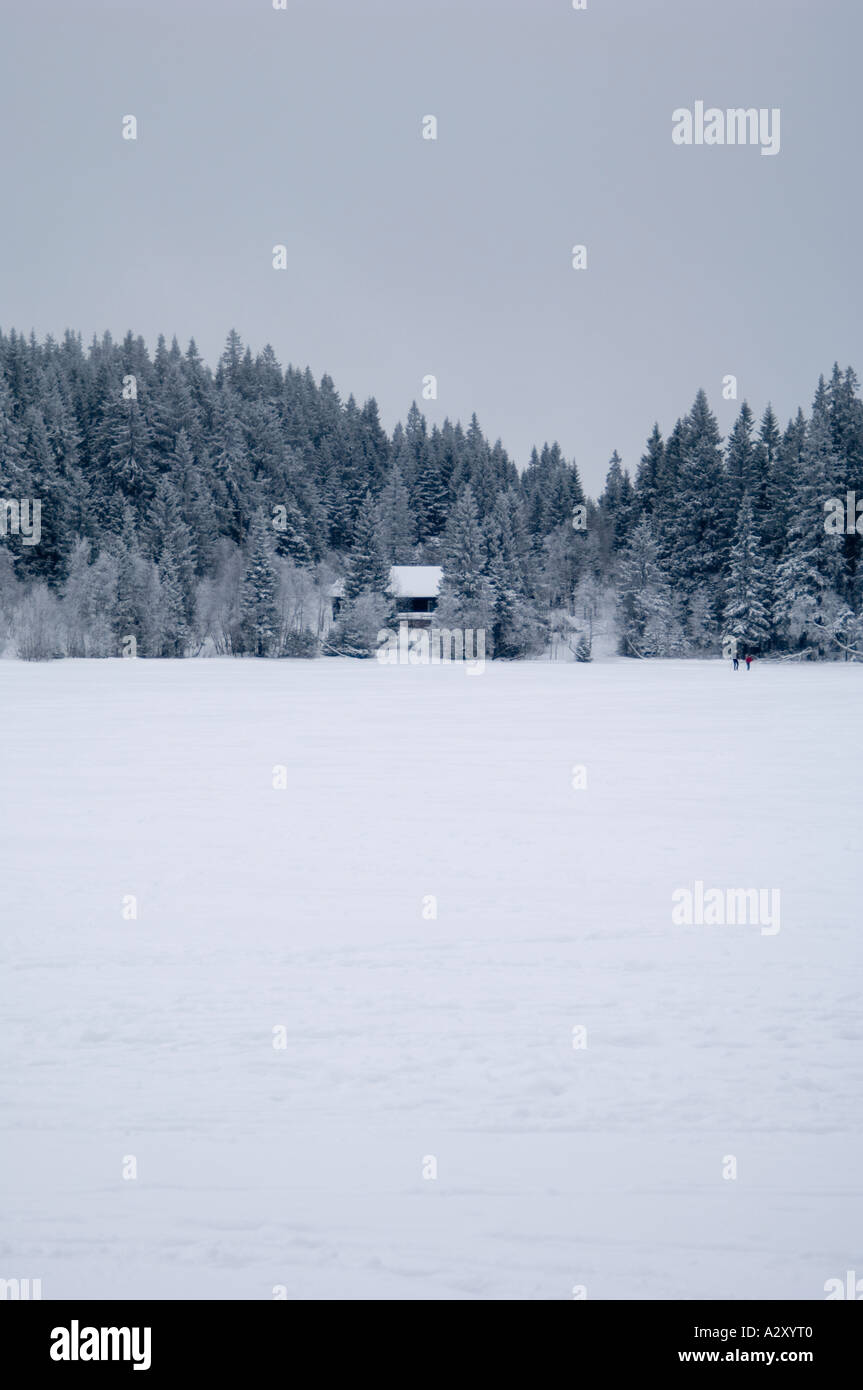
(48, 485)
(137, 603)
(396, 523)
(741, 459)
(165, 529)
(747, 608)
(128, 454)
(195, 503)
(696, 525)
(768, 501)
(467, 597)
(646, 620)
(258, 610)
(516, 629)
(769, 435)
(368, 570)
(464, 552)
(290, 534)
(616, 505)
(173, 621)
(808, 607)
(648, 480)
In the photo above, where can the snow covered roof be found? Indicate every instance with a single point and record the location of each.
(415, 581)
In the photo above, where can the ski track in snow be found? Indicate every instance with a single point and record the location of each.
(409, 1037)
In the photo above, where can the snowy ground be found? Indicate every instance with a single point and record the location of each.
(410, 1037)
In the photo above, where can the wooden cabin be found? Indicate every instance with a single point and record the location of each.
(415, 589)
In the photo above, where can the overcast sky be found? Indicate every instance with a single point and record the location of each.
(405, 257)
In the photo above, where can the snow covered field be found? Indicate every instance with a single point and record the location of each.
(409, 1036)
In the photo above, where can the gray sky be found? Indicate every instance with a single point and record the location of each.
(453, 257)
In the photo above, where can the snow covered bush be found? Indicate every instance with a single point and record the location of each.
(355, 632)
(37, 626)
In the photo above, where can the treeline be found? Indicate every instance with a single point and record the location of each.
(184, 510)
(744, 542)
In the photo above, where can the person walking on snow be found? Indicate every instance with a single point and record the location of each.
(748, 660)
(736, 663)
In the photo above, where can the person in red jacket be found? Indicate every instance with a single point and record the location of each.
(748, 660)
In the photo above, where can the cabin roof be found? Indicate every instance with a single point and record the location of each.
(415, 581)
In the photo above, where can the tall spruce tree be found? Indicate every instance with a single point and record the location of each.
(396, 521)
(747, 607)
(368, 570)
(648, 480)
(809, 608)
(258, 592)
(464, 552)
(696, 525)
(741, 459)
